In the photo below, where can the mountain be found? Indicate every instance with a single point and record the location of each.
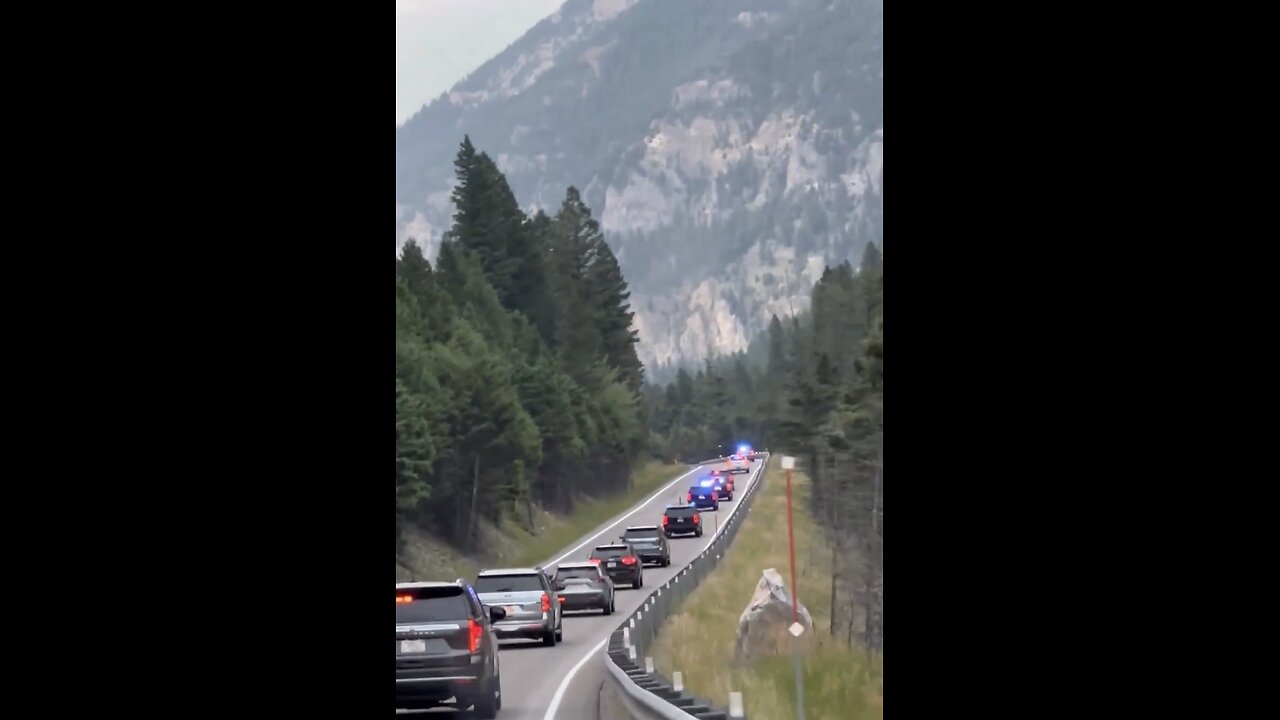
(731, 149)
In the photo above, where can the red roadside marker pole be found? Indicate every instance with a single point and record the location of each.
(788, 463)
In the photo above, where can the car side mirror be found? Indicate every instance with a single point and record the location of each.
(496, 613)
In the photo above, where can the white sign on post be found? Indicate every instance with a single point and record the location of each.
(788, 462)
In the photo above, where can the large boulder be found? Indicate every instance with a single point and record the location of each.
(763, 626)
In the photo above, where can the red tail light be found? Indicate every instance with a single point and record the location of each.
(690, 496)
(594, 561)
(664, 520)
(695, 519)
(546, 602)
(714, 496)
(474, 630)
(628, 560)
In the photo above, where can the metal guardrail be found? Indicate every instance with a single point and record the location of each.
(644, 693)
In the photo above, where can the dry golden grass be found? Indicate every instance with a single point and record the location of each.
(840, 683)
(428, 558)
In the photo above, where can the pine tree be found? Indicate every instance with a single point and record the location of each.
(488, 222)
(609, 295)
(534, 296)
(575, 242)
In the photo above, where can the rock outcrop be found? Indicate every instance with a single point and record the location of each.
(730, 150)
(763, 626)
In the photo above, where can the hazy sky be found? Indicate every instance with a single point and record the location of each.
(440, 41)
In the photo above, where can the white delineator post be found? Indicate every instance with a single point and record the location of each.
(648, 665)
(735, 705)
(677, 681)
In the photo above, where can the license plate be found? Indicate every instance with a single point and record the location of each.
(413, 646)
(613, 563)
(511, 609)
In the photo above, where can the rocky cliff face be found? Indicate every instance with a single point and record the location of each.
(731, 149)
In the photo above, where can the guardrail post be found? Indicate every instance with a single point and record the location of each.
(648, 665)
(735, 705)
(677, 681)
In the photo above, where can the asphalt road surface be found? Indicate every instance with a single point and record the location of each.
(564, 682)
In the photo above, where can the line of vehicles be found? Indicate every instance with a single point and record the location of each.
(448, 633)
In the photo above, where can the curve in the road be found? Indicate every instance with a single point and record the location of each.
(683, 551)
(536, 680)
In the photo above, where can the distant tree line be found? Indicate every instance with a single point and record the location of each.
(812, 387)
(517, 378)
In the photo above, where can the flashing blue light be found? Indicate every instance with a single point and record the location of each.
(707, 483)
(743, 448)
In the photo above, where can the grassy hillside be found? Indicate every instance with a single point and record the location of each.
(840, 682)
(425, 557)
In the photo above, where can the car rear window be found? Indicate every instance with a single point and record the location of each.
(608, 553)
(525, 582)
(681, 512)
(645, 533)
(570, 573)
(420, 605)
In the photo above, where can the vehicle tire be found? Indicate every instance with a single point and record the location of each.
(699, 534)
(549, 639)
(608, 609)
(560, 634)
(637, 583)
(486, 706)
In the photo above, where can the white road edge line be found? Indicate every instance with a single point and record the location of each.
(564, 684)
(637, 509)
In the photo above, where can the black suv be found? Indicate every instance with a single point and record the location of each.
(620, 564)
(446, 648)
(681, 519)
(648, 543)
(703, 495)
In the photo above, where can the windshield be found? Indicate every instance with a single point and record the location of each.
(508, 583)
(578, 574)
(422, 605)
(606, 553)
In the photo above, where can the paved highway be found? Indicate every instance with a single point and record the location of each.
(564, 682)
